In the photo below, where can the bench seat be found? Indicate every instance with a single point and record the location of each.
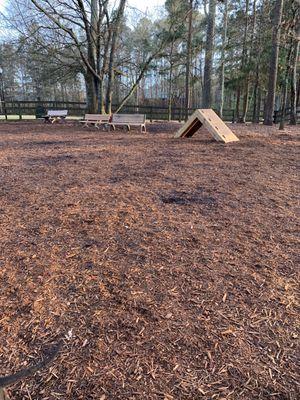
(128, 120)
(95, 119)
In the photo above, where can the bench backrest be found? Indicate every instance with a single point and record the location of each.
(129, 118)
(97, 117)
(57, 113)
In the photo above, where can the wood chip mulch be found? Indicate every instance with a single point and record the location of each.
(168, 267)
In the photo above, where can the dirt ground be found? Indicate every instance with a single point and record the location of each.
(168, 266)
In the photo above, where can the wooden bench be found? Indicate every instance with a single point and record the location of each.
(128, 120)
(55, 115)
(95, 119)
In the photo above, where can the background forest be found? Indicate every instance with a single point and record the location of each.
(232, 54)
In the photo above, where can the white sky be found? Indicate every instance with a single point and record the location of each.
(2, 4)
(151, 8)
(143, 5)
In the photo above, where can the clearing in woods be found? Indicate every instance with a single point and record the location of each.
(168, 266)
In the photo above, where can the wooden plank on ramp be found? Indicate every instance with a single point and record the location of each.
(211, 121)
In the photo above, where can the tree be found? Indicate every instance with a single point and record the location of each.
(82, 25)
(222, 66)
(114, 38)
(175, 10)
(293, 119)
(249, 63)
(273, 64)
(188, 58)
(209, 53)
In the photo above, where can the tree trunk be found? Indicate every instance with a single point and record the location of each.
(101, 105)
(256, 98)
(110, 78)
(285, 87)
(188, 60)
(298, 93)
(222, 68)
(92, 90)
(244, 75)
(237, 105)
(242, 67)
(273, 67)
(94, 32)
(170, 88)
(209, 54)
(249, 61)
(293, 119)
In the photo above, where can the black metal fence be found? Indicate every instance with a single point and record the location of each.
(288, 112)
(23, 109)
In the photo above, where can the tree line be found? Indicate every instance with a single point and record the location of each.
(234, 54)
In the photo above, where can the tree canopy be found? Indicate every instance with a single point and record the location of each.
(239, 55)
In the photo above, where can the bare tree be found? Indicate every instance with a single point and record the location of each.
(82, 23)
(115, 32)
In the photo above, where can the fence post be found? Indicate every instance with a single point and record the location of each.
(233, 116)
(19, 110)
(5, 110)
(151, 113)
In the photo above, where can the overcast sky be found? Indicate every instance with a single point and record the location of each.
(142, 5)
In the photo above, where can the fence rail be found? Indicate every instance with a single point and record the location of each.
(22, 109)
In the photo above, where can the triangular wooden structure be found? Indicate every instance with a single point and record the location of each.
(211, 121)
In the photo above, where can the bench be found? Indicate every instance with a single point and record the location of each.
(55, 115)
(128, 120)
(95, 119)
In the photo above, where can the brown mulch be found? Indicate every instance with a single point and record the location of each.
(167, 266)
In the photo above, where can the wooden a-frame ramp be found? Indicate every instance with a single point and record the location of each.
(211, 121)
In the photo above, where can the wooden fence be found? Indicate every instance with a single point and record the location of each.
(23, 109)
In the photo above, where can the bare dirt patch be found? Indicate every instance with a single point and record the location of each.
(168, 266)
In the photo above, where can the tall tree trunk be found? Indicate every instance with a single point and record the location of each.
(249, 61)
(94, 31)
(257, 44)
(103, 71)
(209, 54)
(92, 90)
(110, 78)
(298, 93)
(101, 105)
(285, 87)
(222, 68)
(188, 60)
(170, 86)
(243, 63)
(293, 119)
(92, 83)
(273, 67)
(256, 98)
(237, 104)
